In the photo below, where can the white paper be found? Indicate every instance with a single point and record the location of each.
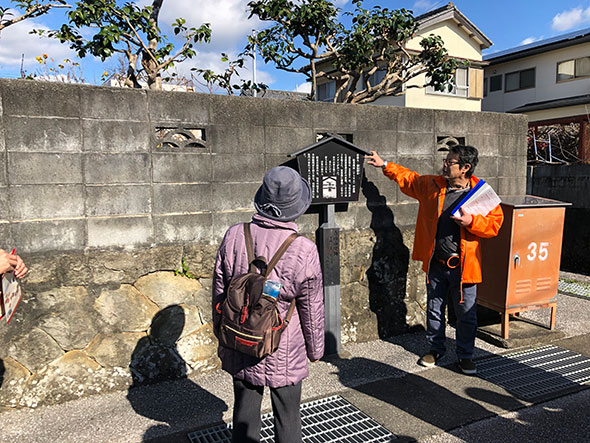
(11, 293)
(480, 202)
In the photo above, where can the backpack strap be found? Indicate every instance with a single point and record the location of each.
(275, 259)
(249, 248)
(289, 314)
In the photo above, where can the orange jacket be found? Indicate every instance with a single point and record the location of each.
(430, 191)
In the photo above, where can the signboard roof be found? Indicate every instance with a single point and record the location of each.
(327, 139)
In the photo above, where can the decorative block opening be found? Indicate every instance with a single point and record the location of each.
(346, 136)
(180, 138)
(444, 142)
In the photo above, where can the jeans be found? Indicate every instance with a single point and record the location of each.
(285, 407)
(443, 284)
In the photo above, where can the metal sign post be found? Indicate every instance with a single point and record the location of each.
(328, 242)
(334, 169)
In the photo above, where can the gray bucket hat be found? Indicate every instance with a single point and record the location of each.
(284, 194)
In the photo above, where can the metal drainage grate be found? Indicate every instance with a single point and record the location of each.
(574, 288)
(331, 419)
(535, 374)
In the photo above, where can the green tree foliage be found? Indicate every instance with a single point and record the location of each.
(28, 9)
(226, 80)
(132, 31)
(306, 36)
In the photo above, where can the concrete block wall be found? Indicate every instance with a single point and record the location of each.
(568, 183)
(97, 205)
(82, 170)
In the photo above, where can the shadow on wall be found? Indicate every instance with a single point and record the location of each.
(156, 359)
(2, 369)
(389, 267)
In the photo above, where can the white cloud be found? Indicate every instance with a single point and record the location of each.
(304, 87)
(228, 19)
(530, 40)
(424, 5)
(570, 19)
(261, 77)
(230, 27)
(340, 3)
(15, 41)
(337, 3)
(212, 60)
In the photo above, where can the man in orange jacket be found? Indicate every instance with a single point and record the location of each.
(448, 246)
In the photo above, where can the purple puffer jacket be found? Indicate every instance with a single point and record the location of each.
(300, 273)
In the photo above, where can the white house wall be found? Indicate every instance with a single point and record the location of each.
(546, 86)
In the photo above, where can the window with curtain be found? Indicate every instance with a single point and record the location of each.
(515, 81)
(459, 89)
(326, 91)
(573, 69)
(496, 83)
(377, 77)
(566, 70)
(583, 67)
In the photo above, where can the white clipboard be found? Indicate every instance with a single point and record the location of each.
(11, 295)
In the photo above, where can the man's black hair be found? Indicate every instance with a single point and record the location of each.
(466, 154)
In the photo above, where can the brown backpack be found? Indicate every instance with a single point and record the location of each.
(248, 320)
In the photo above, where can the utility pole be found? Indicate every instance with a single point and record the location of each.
(254, 33)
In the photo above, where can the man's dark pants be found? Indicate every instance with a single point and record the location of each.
(285, 407)
(445, 283)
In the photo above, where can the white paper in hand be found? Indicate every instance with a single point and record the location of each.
(479, 201)
(11, 293)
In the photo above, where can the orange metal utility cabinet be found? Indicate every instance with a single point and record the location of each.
(521, 264)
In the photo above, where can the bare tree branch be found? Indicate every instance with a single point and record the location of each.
(31, 12)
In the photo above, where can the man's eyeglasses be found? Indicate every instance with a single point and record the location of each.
(450, 163)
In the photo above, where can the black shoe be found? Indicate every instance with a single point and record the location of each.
(430, 359)
(467, 366)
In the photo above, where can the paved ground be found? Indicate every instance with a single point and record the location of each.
(381, 378)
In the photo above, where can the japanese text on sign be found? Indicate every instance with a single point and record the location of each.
(333, 177)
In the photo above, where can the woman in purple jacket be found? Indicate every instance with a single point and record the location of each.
(283, 196)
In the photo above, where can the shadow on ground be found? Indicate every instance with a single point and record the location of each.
(425, 402)
(154, 364)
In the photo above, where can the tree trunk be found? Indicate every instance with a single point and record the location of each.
(131, 79)
(313, 81)
(149, 64)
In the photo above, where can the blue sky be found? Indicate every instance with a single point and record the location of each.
(506, 23)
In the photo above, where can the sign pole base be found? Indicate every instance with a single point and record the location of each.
(328, 242)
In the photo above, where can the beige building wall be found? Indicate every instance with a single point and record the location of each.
(458, 44)
(420, 98)
(457, 41)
